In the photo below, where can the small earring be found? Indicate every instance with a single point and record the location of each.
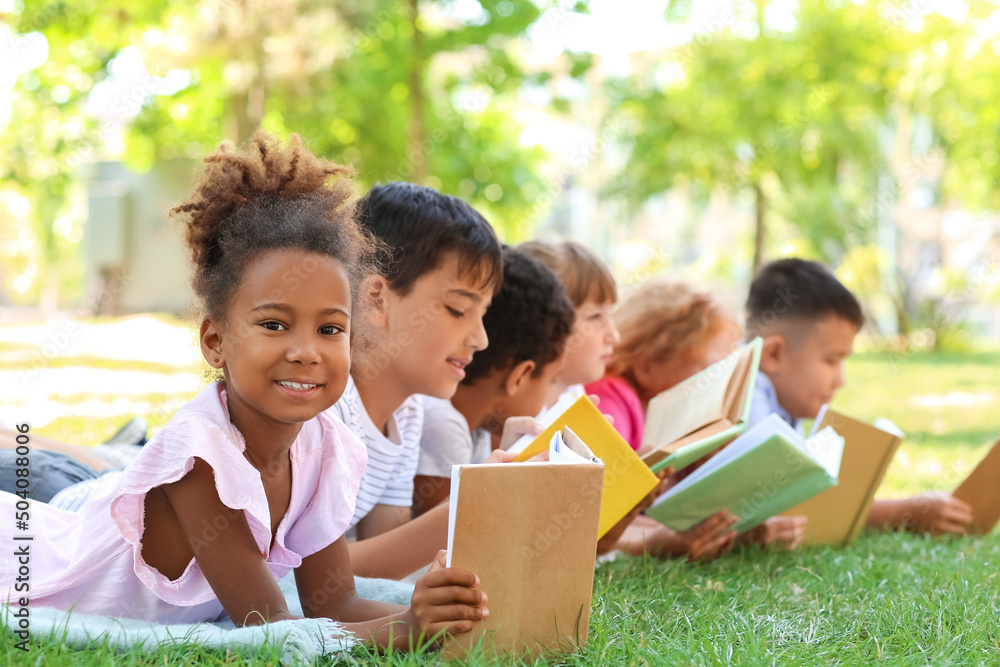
(216, 360)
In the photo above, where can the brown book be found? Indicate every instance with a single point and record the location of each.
(981, 489)
(529, 531)
(837, 515)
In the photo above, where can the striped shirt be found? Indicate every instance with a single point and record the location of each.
(392, 459)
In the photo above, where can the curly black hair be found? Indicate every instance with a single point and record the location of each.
(530, 318)
(269, 196)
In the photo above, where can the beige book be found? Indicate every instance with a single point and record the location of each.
(837, 515)
(981, 489)
(702, 413)
(529, 532)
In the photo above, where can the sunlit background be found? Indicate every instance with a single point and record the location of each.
(681, 138)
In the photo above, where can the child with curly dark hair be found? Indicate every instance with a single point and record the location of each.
(252, 478)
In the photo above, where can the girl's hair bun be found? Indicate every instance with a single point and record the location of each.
(268, 195)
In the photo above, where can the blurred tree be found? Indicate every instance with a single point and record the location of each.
(402, 90)
(783, 105)
(957, 92)
(406, 90)
(45, 134)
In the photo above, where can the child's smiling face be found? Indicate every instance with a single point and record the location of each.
(434, 329)
(285, 341)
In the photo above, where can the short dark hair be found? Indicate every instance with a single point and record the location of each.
(530, 318)
(418, 226)
(798, 290)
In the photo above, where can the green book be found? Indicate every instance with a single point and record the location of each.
(760, 474)
(702, 413)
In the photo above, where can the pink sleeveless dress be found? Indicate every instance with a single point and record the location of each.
(91, 560)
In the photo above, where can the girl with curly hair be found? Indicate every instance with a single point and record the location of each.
(252, 478)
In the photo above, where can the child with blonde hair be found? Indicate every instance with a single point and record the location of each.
(252, 478)
(671, 330)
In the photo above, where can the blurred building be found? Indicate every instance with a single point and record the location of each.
(135, 259)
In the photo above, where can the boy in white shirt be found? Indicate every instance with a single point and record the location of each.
(528, 325)
(421, 323)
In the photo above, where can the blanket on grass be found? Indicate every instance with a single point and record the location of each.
(300, 641)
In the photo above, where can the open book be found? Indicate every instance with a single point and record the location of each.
(529, 532)
(627, 479)
(837, 515)
(701, 413)
(981, 489)
(762, 473)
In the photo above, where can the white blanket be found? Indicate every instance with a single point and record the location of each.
(301, 641)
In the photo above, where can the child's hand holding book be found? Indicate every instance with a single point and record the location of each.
(710, 537)
(445, 602)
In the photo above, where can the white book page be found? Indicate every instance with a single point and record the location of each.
(456, 474)
(826, 448)
(691, 404)
(545, 419)
(769, 426)
(819, 419)
(884, 424)
(561, 451)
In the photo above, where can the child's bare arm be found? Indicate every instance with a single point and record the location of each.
(708, 538)
(444, 601)
(397, 553)
(933, 513)
(610, 539)
(175, 519)
(381, 519)
(429, 492)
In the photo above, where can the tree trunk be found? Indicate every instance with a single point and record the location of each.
(416, 151)
(759, 232)
(247, 105)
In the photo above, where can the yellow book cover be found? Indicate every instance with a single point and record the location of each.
(627, 479)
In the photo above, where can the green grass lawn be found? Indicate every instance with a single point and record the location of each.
(890, 598)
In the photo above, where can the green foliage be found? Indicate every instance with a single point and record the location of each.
(957, 92)
(792, 110)
(340, 74)
(47, 136)
(341, 77)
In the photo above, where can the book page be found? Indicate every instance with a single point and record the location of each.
(567, 447)
(819, 420)
(690, 405)
(826, 448)
(456, 475)
(884, 424)
(768, 427)
(545, 419)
